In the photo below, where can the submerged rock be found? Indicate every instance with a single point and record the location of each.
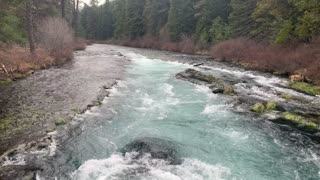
(157, 148)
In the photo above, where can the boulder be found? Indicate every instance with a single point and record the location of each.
(157, 148)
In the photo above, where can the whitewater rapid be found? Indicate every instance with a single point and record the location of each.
(213, 141)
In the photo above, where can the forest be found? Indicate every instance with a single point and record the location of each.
(279, 36)
(205, 21)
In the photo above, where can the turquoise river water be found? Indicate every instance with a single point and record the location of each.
(213, 141)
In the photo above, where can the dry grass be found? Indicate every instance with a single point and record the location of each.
(302, 59)
(15, 62)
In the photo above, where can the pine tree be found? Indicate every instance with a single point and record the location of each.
(156, 15)
(134, 18)
(206, 12)
(106, 27)
(308, 19)
(119, 14)
(271, 16)
(181, 18)
(240, 20)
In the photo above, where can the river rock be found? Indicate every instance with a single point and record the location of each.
(157, 148)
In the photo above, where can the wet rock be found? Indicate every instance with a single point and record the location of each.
(157, 148)
(197, 77)
(198, 64)
(217, 88)
(42, 146)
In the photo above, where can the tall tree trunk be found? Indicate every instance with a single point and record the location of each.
(75, 15)
(30, 26)
(63, 8)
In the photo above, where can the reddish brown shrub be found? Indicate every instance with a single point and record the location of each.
(16, 61)
(169, 46)
(290, 59)
(149, 42)
(187, 45)
(79, 44)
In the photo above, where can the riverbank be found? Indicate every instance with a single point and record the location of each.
(40, 104)
(299, 62)
(17, 62)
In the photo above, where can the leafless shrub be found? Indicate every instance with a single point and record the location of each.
(56, 37)
(79, 44)
(187, 45)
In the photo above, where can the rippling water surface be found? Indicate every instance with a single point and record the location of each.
(213, 142)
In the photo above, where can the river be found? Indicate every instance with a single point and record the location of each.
(209, 138)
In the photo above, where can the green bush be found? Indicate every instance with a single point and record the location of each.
(10, 30)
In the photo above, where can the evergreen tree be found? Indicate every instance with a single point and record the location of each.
(156, 15)
(119, 14)
(271, 16)
(134, 18)
(206, 12)
(240, 20)
(308, 20)
(181, 18)
(11, 30)
(106, 27)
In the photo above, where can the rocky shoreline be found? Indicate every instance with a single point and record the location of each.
(40, 110)
(262, 95)
(295, 111)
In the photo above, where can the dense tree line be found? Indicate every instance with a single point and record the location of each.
(206, 21)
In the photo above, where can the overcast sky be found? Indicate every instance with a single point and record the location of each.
(88, 1)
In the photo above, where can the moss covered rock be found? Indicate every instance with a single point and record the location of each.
(258, 108)
(292, 117)
(310, 125)
(60, 122)
(286, 96)
(305, 87)
(271, 105)
(228, 90)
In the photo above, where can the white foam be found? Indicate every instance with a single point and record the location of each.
(168, 89)
(205, 90)
(270, 82)
(114, 92)
(237, 135)
(212, 109)
(19, 160)
(119, 167)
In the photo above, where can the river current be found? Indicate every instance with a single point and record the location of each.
(212, 141)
